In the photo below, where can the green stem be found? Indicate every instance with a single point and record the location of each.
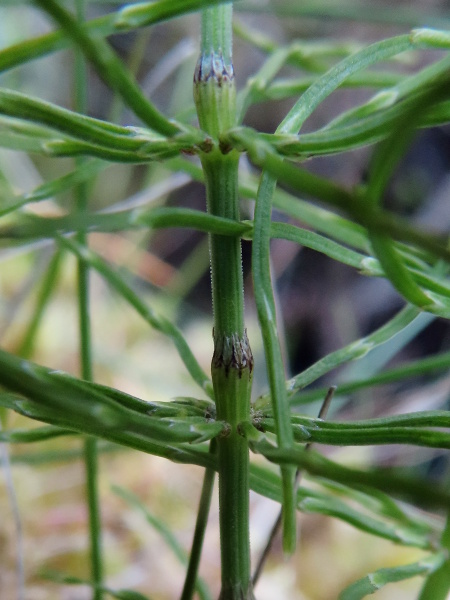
(90, 444)
(226, 270)
(232, 362)
(231, 374)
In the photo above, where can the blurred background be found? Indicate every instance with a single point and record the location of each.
(324, 305)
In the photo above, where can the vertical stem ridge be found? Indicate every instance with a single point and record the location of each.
(225, 251)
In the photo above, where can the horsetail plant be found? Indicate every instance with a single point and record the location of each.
(221, 429)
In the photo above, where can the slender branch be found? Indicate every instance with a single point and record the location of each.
(278, 522)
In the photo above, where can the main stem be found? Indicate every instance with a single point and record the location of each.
(232, 361)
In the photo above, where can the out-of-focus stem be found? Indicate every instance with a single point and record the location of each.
(90, 444)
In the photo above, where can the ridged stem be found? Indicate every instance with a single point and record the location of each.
(232, 362)
(231, 370)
